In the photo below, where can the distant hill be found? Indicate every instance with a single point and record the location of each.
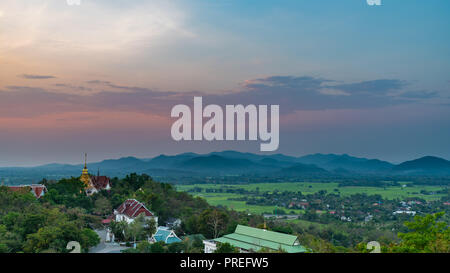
(131, 163)
(346, 162)
(165, 161)
(424, 165)
(215, 163)
(303, 170)
(192, 166)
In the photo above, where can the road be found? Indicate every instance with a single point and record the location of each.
(104, 247)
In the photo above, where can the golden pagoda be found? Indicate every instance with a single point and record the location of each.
(85, 177)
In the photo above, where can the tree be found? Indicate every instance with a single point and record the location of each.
(89, 239)
(157, 247)
(3, 248)
(150, 227)
(214, 220)
(426, 235)
(102, 206)
(140, 228)
(135, 230)
(119, 229)
(177, 247)
(144, 247)
(226, 248)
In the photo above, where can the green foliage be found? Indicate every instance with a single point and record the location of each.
(119, 229)
(29, 225)
(193, 243)
(226, 248)
(89, 238)
(68, 192)
(426, 235)
(157, 247)
(177, 247)
(102, 206)
(3, 248)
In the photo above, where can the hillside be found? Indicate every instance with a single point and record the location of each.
(424, 165)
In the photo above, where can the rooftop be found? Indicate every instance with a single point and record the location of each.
(254, 239)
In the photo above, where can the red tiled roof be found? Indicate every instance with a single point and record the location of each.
(100, 182)
(37, 190)
(17, 188)
(132, 208)
(108, 219)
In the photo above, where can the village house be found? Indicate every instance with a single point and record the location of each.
(249, 239)
(410, 212)
(37, 190)
(130, 209)
(173, 223)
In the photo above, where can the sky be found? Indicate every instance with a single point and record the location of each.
(102, 77)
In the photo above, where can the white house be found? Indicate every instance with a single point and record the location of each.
(130, 209)
(410, 212)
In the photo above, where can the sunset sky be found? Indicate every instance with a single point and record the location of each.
(102, 77)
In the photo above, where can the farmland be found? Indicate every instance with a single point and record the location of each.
(223, 198)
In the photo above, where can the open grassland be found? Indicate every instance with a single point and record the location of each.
(222, 199)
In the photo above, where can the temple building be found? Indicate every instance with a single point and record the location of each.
(166, 235)
(249, 239)
(93, 184)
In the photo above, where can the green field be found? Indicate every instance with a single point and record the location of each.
(221, 199)
(306, 188)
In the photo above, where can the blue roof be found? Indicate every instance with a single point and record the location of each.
(163, 234)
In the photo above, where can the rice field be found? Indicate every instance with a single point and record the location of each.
(222, 199)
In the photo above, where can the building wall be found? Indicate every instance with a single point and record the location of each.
(210, 246)
(123, 217)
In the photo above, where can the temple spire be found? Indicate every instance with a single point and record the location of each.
(85, 178)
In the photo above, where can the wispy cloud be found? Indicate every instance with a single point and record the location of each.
(94, 25)
(290, 92)
(373, 87)
(36, 77)
(420, 94)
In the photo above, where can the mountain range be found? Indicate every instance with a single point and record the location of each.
(233, 163)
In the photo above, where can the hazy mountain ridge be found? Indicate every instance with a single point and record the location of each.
(424, 165)
(235, 163)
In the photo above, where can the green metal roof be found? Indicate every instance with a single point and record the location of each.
(276, 237)
(254, 239)
(239, 244)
